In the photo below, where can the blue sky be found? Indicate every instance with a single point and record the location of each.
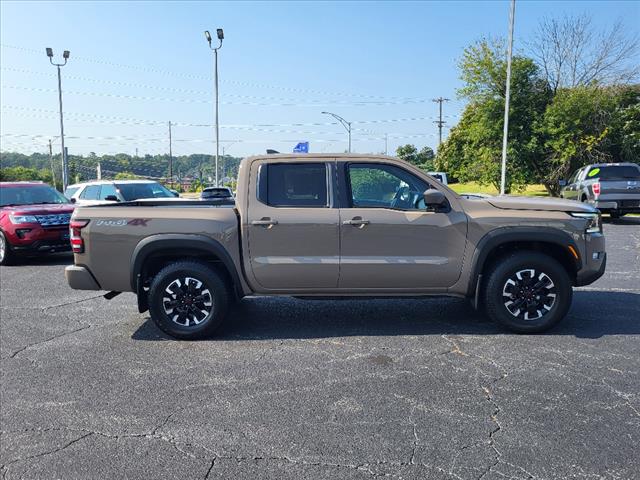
(136, 66)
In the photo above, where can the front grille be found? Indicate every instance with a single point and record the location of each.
(54, 220)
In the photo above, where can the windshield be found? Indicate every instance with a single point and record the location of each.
(614, 172)
(30, 195)
(69, 192)
(135, 191)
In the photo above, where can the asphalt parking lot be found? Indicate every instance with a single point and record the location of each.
(318, 389)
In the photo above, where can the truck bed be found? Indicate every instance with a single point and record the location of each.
(115, 231)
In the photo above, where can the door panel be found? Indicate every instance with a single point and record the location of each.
(293, 247)
(389, 240)
(401, 249)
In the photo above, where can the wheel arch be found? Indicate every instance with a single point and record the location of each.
(500, 242)
(155, 251)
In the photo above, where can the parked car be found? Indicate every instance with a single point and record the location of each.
(612, 188)
(34, 220)
(333, 226)
(99, 192)
(222, 195)
(440, 176)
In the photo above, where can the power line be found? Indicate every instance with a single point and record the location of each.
(177, 73)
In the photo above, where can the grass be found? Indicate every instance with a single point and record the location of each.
(536, 190)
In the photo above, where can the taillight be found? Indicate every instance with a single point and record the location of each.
(596, 188)
(77, 244)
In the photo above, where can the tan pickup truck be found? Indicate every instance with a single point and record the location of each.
(336, 226)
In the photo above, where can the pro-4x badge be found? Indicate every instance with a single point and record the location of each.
(123, 222)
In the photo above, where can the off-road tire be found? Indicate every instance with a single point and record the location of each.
(7, 257)
(497, 288)
(164, 290)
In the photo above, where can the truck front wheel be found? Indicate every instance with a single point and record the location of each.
(188, 300)
(527, 292)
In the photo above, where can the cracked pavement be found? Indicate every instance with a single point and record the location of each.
(406, 389)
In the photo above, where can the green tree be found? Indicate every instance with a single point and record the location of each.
(584, 125)
(473, 150)
(126, 176)
(423, 158)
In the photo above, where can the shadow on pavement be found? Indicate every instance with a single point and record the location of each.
(44, 260)
(593, 314)
(635, 221)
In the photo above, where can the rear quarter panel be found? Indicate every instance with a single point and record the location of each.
(113, 233)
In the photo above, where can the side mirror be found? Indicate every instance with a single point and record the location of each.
(433, 198)
(72, 200)
(562, 183)
(111, 198)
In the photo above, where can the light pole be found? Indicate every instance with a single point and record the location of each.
(345, 124)
(503, 173)
(220, 35)
(65, 171)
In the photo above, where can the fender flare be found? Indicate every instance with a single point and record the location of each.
(194, 242)
(500, 236)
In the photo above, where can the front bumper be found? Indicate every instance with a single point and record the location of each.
(32, 239)
(80, 278)
(587, 276)
(41, 247)
(594, 260)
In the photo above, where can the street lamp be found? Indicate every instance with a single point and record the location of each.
(220, 35)
(345, 124)
(65, 171)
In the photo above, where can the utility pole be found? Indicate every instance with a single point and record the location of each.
(170, 158)
(503, 174)
(65, 167)
(440, 122)
(53, 172)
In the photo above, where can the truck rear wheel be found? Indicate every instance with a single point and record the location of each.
(188, 300)
(527, 292)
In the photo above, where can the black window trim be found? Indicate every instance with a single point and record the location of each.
(262, 184)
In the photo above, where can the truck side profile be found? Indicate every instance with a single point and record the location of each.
(339, 225)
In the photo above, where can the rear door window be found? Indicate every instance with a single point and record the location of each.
(293, 185)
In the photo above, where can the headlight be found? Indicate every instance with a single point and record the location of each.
(18, 219)
(594, 221)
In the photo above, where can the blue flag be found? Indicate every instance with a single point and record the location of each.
(302, 147)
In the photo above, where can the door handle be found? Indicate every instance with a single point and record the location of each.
(265, 222)
(356, 222)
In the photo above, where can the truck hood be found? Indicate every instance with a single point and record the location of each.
(534, 203)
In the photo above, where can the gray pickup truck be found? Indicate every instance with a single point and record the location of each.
(338, 226)
(613, 188)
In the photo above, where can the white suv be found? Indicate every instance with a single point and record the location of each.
(104, 191)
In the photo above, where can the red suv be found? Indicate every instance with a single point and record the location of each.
(34, 220)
